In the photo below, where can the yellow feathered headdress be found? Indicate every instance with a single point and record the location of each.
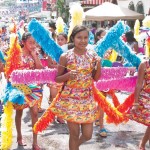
(77, 15)
(59, 25)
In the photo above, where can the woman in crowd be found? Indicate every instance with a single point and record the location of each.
(30, 60)
(131, 41)
(140, 111)
(75, 103)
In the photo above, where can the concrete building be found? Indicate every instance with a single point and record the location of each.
(141, 6)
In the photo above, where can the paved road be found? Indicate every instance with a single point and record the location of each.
(55, 137)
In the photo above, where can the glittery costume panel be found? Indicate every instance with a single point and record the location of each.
(142, 114)
(32, 92)
(75, 102)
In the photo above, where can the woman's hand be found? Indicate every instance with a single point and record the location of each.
(34, 54)
(97, 62)
(97, 69)
(135, 107)
(73, 74)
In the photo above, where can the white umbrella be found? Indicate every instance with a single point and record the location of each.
(109, 11)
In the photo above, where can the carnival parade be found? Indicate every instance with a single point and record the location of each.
(97, 76)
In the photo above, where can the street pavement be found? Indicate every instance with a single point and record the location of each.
(55, 137)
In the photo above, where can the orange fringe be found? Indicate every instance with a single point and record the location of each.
(46, 118)
(44, 121)
(13, 60)
(114, 98)
(112, 112)
(123, 108)
(126, 104)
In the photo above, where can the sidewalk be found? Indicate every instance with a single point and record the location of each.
(55, 137)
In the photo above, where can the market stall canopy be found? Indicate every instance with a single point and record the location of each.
(38, 15)
(109, 11)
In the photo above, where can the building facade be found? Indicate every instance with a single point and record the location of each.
(141, 6)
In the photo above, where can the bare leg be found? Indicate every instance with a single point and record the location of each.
(101, 118)
(18, 118)
(40, 110)
(74, 131)
(145, 138)
(53, 93)
(39, 103)
(34, 117)
(87, 131)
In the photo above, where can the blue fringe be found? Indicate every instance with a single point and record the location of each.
(126, 64)
(13, 95)
(127, 53)
(91, 38)
(112, 40)
(2, 57)
(44, 39)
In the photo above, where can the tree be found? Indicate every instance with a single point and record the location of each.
(62, 10)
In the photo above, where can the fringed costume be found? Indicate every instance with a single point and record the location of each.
(75, 102)
(32, 92)
(142, 114)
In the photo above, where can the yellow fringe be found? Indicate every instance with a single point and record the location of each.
(77, 16)
(6, 123)
(136, 29)
(59, 25)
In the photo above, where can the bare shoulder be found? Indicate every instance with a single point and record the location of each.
(63, 59)
(142, 66)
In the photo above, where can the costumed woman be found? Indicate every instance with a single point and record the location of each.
(30, 60)
(75, 103)
(109, 56)
(140, 110)
(131, 41)
(100, 33)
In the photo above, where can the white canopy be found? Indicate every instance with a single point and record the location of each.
(109, 11)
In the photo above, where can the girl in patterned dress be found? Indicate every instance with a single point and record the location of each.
(75, 102)
(30, 60)
(140, 110)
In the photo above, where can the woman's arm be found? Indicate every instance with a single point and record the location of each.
(140, 80)
(136, 47)
(1, 67)
(61, 75)
(37, 61)
(51, 63)
(97, 70)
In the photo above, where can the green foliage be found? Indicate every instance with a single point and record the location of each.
(63, 10)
